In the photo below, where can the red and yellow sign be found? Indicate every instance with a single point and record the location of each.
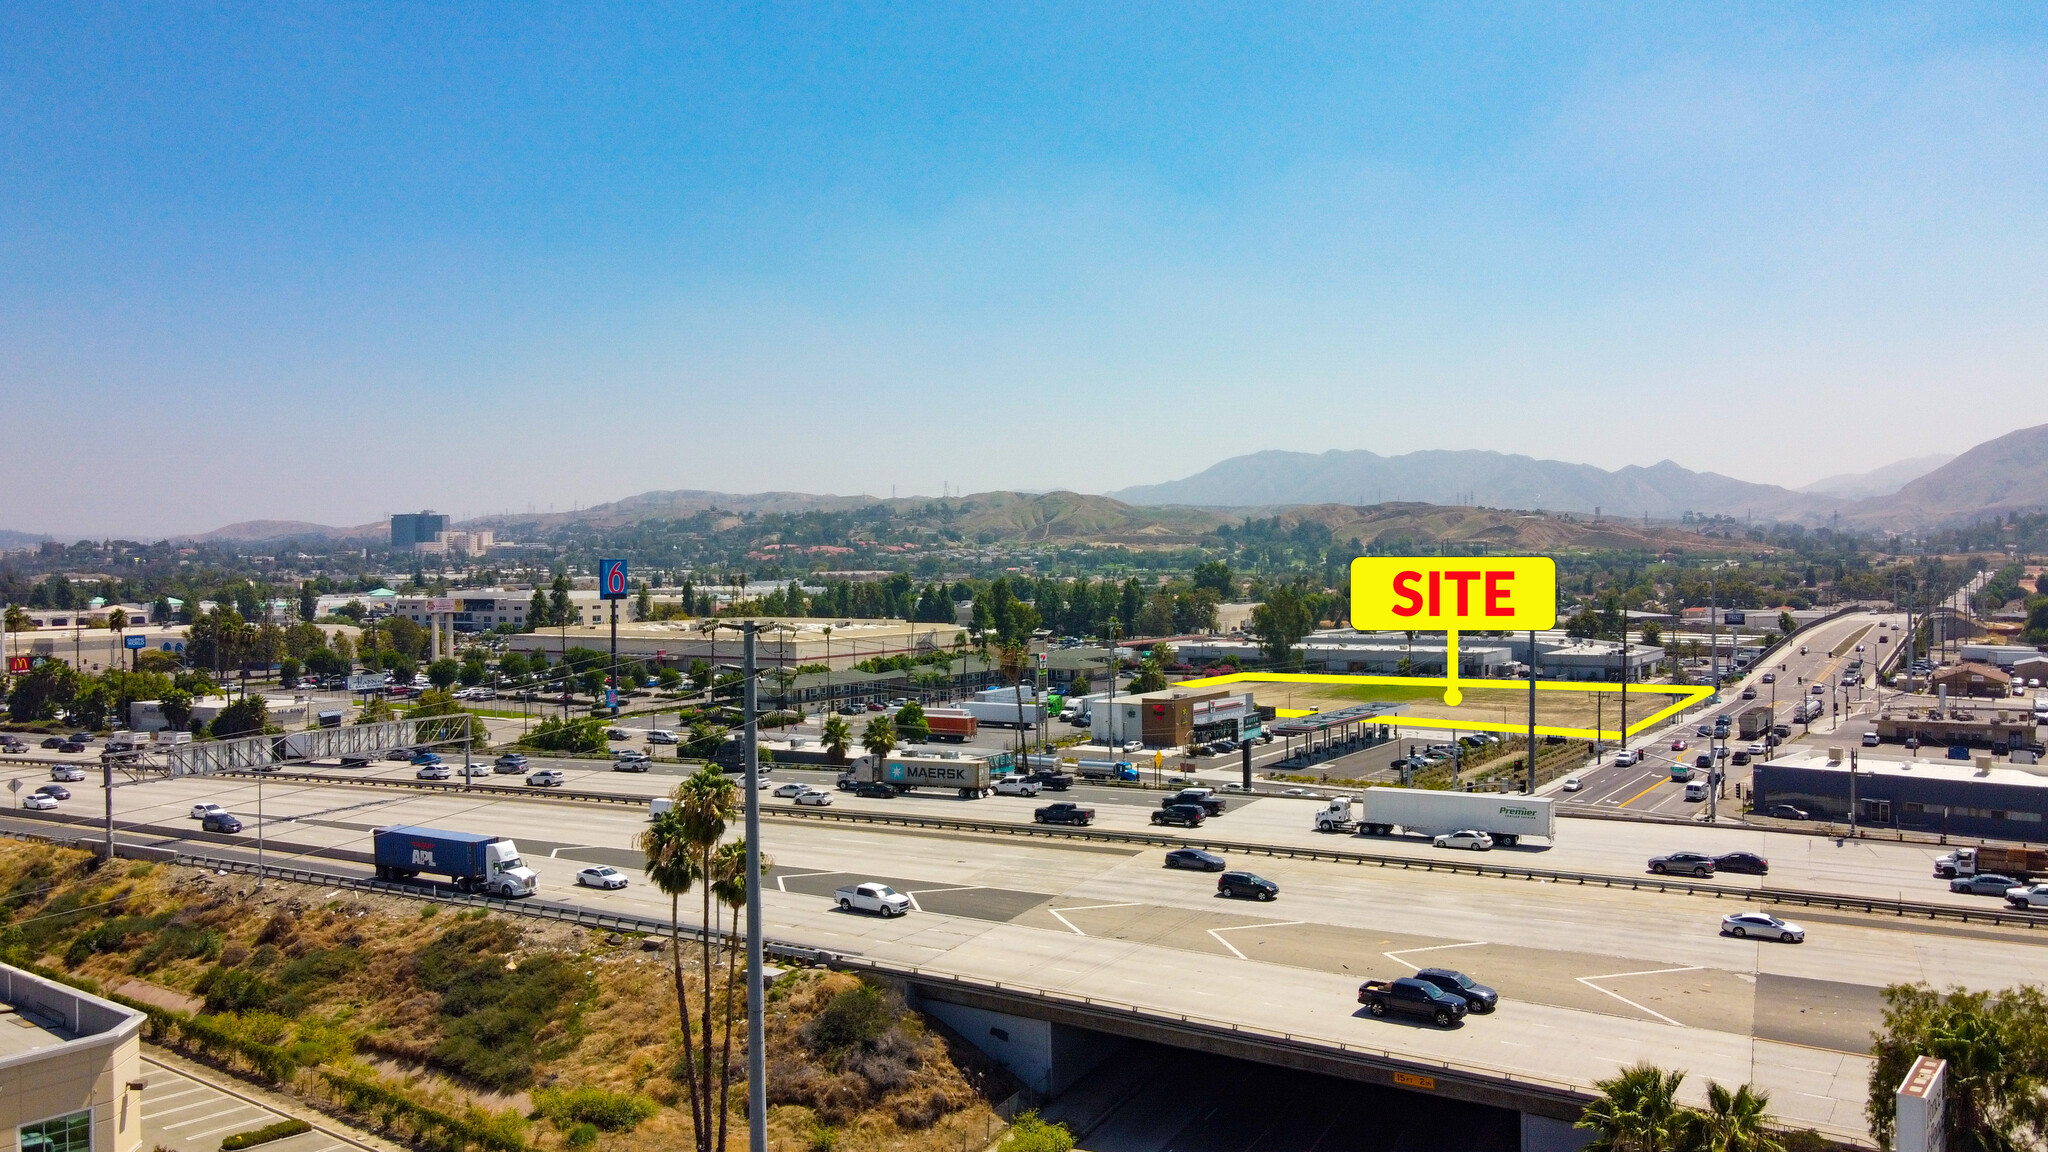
(1451, 593)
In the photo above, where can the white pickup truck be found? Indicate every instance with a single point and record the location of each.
(2031, 896)
(872, 897)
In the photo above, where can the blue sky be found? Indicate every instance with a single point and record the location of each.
(337, 261)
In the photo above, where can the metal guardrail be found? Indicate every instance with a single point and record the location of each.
(1785, 896)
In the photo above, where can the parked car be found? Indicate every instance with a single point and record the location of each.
(1691, 863)
(1250, 884)
(662, 736)
(601, 876)
(1409, 996)
(220, 822)
(1788, 812)
(67, 773)
(1465, 838)
(1185, 815)
(435, 771)
(1477, 997)
(814, 798)
(1983, 884)
(1195, 859)
(617, 734)
(1748, 863)
(54, 791)
(37, 801)
(545, 778)
(1762, 924)
(509, 763)
(791, 789)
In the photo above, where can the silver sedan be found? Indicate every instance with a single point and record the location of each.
(1742, 924)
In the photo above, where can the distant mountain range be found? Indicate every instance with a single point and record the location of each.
(2009, 474)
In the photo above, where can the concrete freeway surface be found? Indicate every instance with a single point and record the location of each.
(1594, 978)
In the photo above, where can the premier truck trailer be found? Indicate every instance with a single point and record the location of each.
(972, 777)
(474, 861)
(1754, 722)
(1427, 812)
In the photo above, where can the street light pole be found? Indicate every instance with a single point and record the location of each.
(757, 1048)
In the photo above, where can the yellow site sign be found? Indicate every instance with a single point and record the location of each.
(1450, 593)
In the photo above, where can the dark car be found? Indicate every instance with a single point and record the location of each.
(1704, 760)
(1739, 759)
(402, 753)
(1257, 887)
(356, 760)
(53, 741)
(1478, 997)
(1787, 812)
(1689, 863)
(1411, 997)
(875, 789)
(1745, 862)
(220, 822)
(57, 791)
(71, 746)
(81, 737)
(424, 758)
(1983, 884)
(1185, 815)
(1703, 730)
(1051, 781)
(10, 744)
(1196, 859)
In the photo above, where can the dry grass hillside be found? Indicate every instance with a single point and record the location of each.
(465, 1030)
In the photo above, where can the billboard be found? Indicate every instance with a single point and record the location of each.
(441, 604)
(611, 580)
(1453, 593)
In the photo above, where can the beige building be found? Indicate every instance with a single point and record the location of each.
(782, 643)
(70, 1069)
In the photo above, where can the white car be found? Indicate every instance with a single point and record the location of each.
(1468, 838)
(872, 897)
(1134, 746)
(1573, 783)
(67, 774)
(1235, 786)
(38, 801)
(601, 876)
(814, 798)
(791, 790)
(1627, 758)
(433, 772)
(546, 778)
(661, 736)
(2030, 896)
(1758, 749)
(1741, 924)
(202, 811)
(1016, 786)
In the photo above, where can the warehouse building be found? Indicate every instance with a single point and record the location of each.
(1981, 798)
(2002, 656)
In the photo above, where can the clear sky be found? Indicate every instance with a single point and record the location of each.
(329, 262)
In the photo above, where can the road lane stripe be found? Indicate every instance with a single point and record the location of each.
(779, 886)
(1084, 908)
(1241, 927)
(1396, 955)
(1588, 982)
(1645, 792)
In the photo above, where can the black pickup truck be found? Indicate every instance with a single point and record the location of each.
(1210, 803)
(1186, 815)
(1063, 812)
(1411, 997)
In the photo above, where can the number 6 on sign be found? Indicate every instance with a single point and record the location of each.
(1450, 593)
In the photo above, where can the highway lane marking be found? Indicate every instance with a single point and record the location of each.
(1085, 908)
(1588, 982)
(1241, 927)
(1395, 956)
(911, 893)
(1634, 778)
(781, 887)
(1645, 792)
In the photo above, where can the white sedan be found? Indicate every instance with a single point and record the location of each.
(1573, 783)
(601, 876)
(434, 772)
(1467, 838)
(1741, 924)
(814, 798)
(791, 790)
(202, 811)
(38, 801)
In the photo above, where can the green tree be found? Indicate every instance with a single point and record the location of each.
(43, 691)
(17, 619)
(1280, 622)
(911, 724)
(309, 601)
(513, 666)
(670, 679)
(1996, 1045)
(1638, 1111)
(247, 716)
(443, 673)
(1786, 624)
(176, 705)
(704, 740)
(1215, 576)
(1150, 677)
(837, 737)
(288, 669)
(471, 673)
(1653, 633)
(879, 737)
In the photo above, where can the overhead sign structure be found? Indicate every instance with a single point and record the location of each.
(611, 579)
(1451, 593)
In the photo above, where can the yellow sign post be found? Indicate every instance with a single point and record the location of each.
(1450, 593)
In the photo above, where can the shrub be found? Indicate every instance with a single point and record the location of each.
(237, 990)
(264, 1135)
(608, 1111)
(491, 1018)
(1030, 1134)
(855, 1018)
(581, 1136)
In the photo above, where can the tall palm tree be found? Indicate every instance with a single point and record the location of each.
(680, 846)
(837, 737)
(1734, 1121)
(879, 737)
(672, 868)
(729, 884)
(1638, 1111)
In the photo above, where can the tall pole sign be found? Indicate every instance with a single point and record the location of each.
(611, 587)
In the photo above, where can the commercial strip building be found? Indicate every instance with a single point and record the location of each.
(788, 643)
(1172, 717)
(1977, 798)
(70, 1069)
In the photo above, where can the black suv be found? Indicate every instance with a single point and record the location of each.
(1185, 815)
(220, 822)
(1246, 884)
(1477, 997)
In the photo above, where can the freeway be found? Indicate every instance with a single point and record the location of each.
(1594, 978)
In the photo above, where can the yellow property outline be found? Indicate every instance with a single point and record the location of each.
(1688, 695)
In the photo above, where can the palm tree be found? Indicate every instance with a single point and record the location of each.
(1734, 1121)
(1638, 1111)
(673, 869)
(879, 737)
(837, 737)
(729, 884)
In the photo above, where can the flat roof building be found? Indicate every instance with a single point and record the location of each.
(70, 1069)
(410, 528)
(1980, 798)
(790, 642)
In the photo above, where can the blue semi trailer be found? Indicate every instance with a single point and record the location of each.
(475, 862)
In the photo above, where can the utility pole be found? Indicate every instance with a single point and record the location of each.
(757, 1047)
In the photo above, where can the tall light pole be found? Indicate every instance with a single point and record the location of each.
(757, 1047)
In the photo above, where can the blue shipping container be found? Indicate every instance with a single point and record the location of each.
(407, 849)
